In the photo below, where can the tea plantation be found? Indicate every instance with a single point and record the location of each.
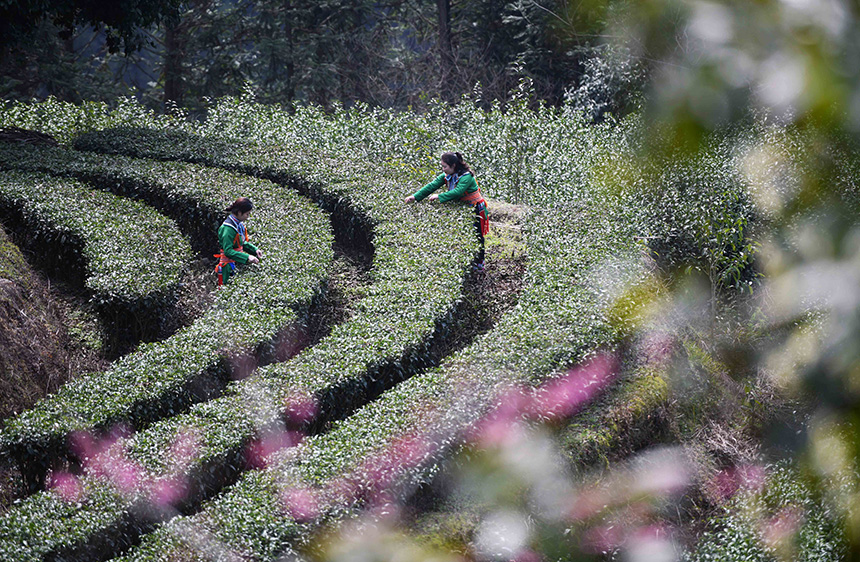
(226, 439)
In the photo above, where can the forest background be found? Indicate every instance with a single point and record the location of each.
(398, 53)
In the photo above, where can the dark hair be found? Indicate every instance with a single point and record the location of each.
(240, 205)
(456, 161)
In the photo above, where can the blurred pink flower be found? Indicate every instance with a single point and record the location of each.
(301, 504)
(185, 447)
(782, 526)
(242, 365)
(86, 445)
(83, 445)
(410, 450)
(602, 539)
(527, 555)
(587, 504)
(654, 531)
(658, 347)
(66, 485)
(300, 408)
(497, 427)
(259, 451)
(562, 397)
(126, 476)
(288, 343)
(168, 491)
(732, 479)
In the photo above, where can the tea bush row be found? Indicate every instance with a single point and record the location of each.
(415, 287)
(101, 242)
(760, 510)
(421, 254)
(161, 378)
(400, 438)
(693, 208)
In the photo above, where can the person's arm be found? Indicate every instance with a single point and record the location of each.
(250, 248)
(430, 187)
(465, 184)
(226, 235)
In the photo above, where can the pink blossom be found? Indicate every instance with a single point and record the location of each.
(242, 365)
(301, 504)
(66, 485)
(259, 452)
(300, 408)
(288, 343)
(185, 447)
(603, 538)
(168, 491)
(345, 489)
(782, 527)
(497, 427)
(587, 504)
(126, 476)
(652, 532)
(562, 397)
(527, 555)
(385, 509)
(85, 444)
(409, 450)
(658, 347)
(731, 480)
(372, 479)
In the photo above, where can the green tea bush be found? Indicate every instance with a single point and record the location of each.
(424, 249)
(389, 338)
(398, 439)
(65, 120)
(694, 210)
(551, 157)
(163, 378)
(536, 157)
(102, 242)
(758, 519)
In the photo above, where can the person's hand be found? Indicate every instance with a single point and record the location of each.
(410, 199)
(433, 197)
(259, 254)
(253, 259)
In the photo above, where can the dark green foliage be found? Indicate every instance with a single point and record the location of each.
(339, 52)
(121, 20)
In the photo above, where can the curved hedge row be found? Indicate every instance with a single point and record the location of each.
(390, 336)
(398, 438)
(421, 256)
(163, 378)
(99, 241)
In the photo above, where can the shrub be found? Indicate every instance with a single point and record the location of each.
(396, 442)
(162, 378)
(103, 242)
(342, 371)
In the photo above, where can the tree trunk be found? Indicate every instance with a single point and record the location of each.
(446, 52)
(173, 82)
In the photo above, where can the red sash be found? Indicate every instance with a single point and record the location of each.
(475, 198)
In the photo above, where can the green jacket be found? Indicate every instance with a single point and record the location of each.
(226, 235)
(466, 184)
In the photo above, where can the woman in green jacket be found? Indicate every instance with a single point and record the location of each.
(460, 180)
(233, 240)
